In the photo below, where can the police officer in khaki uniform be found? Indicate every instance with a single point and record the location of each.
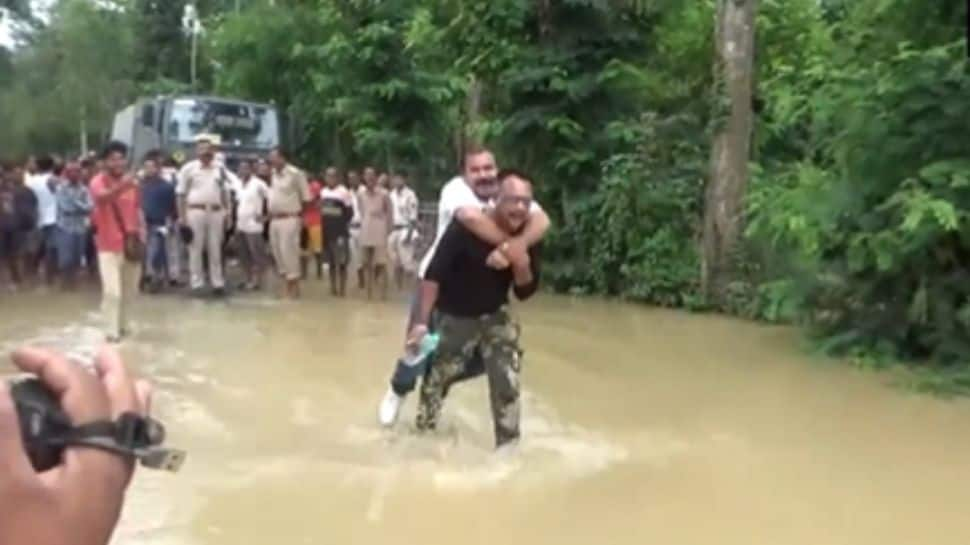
(203, 202)
(289, 194)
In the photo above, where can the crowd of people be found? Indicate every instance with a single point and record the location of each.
(487, 246)
(159, 225)
(63, 218)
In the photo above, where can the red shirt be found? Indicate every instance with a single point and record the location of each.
(110, 236)
(311, 215)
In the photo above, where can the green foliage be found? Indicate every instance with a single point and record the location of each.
(945, 382)
(161, 51)
(71, 73)
(578, 71)
(641, 222)
(793, 59)
(856, 215)
(902, 243)
(349, 73)
(89, 60)
(858, 208)
(881, 220)
(390, 82)
(875, 27)
(624, 185)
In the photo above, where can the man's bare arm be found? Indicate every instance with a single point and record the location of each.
(182, 187)
(182, 207)
(143, 226)
(111, 194)
(86, 202)
(485, 228)
(522, 274)
(535, 229)
(481, 225)
(388, 213)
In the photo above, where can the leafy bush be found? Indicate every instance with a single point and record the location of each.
(878, 234)
(640, 224)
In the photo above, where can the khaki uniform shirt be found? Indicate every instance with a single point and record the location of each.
(201, 184)
(288, 191)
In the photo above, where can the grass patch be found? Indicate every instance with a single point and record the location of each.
(947, 382)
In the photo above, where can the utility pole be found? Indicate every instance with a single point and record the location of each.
(84, 131)
(192, 26)
(195, 48)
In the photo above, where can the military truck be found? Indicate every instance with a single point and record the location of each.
(171, 124)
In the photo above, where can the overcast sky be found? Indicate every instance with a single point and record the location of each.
(5, 39)
(40, 9)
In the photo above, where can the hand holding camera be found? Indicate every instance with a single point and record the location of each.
(68, 444)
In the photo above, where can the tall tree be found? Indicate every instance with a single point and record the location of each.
(68, 79)
(161, 50)
(734, 62)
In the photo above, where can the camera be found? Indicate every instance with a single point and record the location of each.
(46, 431)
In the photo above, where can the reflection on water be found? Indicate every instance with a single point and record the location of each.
(640, 426)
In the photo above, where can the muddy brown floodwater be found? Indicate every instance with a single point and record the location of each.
(640, 426)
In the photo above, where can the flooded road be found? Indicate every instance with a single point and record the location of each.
(640, 426)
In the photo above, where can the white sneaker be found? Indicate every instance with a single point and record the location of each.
(508, 451)
(390, 407)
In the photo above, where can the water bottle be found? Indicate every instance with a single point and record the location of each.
(427, 345)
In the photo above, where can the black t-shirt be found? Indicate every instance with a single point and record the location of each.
(468, 287)
(18, 208)
(336, 215)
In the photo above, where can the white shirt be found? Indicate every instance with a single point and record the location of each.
(454, 195)
(46, 200)
(340, 193)
(252, 197)
(170, 174)
(355, 204)
(404, 205)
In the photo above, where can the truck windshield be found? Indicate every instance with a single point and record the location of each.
(239, 125)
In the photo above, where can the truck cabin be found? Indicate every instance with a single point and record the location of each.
(245, 129)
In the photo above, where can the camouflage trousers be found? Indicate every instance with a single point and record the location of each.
(496, 337)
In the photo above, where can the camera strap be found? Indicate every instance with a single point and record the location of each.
(131, 435)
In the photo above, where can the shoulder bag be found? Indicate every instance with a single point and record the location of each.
(134, 248)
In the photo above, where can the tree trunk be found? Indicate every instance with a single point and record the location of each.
(723, 209)
(472, 115)
(336, 148)
(544, 16)
(195, 50)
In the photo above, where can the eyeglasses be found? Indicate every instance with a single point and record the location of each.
(512, 199)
